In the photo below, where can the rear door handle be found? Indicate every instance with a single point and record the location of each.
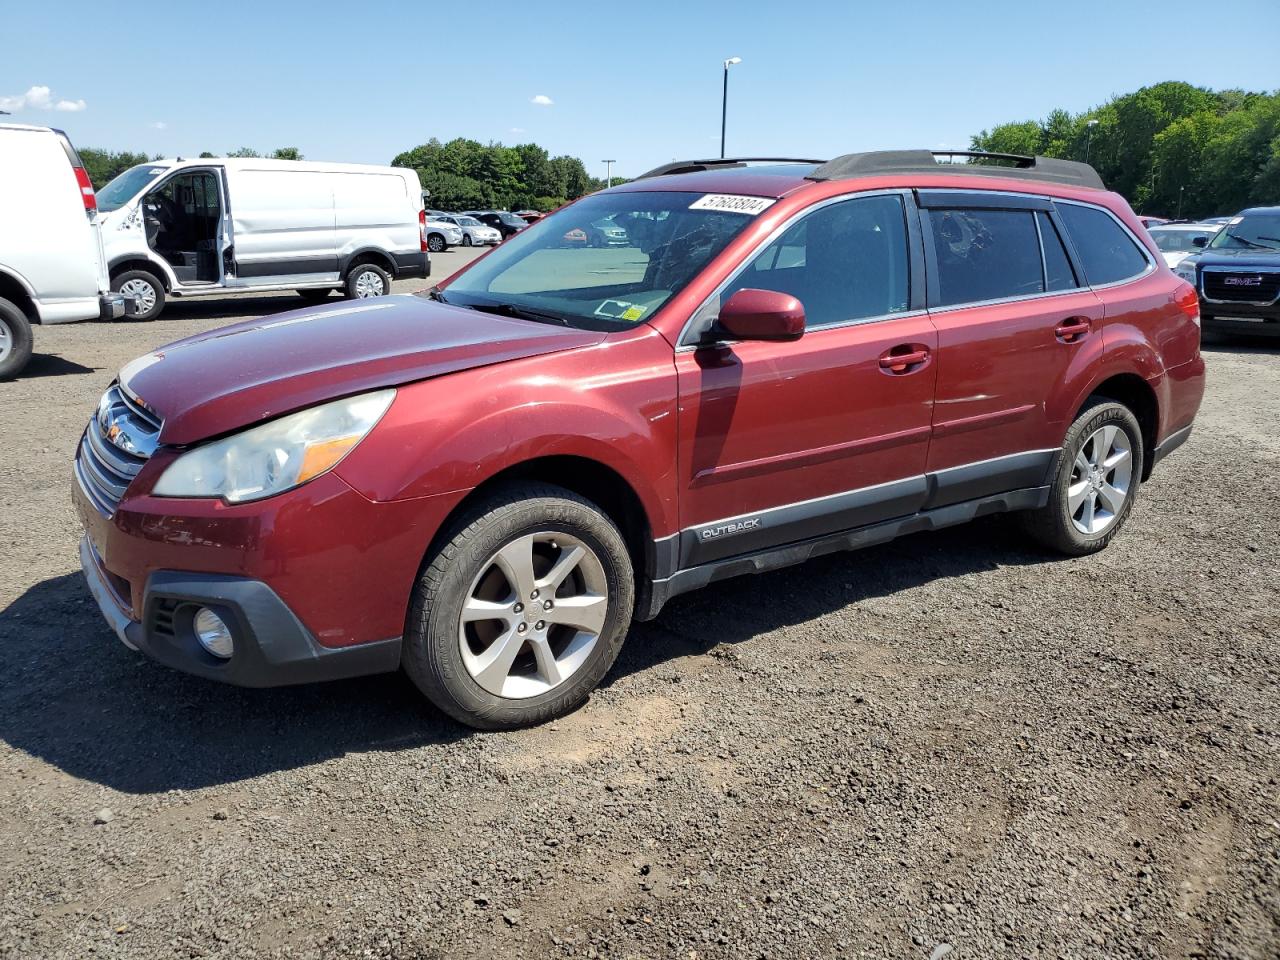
(906, 358)
(1073, 329)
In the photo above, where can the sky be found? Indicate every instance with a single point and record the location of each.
(639, 83)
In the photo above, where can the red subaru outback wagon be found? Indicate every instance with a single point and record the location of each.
(486, 483)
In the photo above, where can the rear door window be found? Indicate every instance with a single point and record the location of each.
(1058, 274)
(1106, 251)
(985, 254)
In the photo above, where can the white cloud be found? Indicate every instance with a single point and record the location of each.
(542, 100)
(40, 98)
(517, 130)
(158, 125)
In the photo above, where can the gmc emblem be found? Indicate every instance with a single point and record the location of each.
(1242, 281)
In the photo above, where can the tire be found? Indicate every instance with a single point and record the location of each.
(367, 280)
(466, 239)
(435, 243)
(548, 524)
(315, 295)
(1082, 517)
(147, 287)
(15, 340)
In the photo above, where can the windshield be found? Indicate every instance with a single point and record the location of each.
(567, 268)
(1179, 241)
(511, 220)
(1257, 231)
(469, 221)
(127, 186)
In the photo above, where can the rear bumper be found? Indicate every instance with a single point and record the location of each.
(412, 266)
(272, 647)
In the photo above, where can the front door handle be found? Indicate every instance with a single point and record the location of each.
(905, 358)
(1073, 329)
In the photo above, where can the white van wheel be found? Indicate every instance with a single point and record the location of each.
(145, 288)
(367, 280)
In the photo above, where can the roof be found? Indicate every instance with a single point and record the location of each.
(263, 163)
(771, 177)
(1268, 210)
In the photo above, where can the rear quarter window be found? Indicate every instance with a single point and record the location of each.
(1106, 251)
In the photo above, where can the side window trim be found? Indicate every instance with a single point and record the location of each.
(915, 265)
(1044, 264)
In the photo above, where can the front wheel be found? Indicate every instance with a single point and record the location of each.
(15, 340)
(435, 243)
(367, 280)
(1095, 484)
(145, 288)
(521, 614)
(466, 239)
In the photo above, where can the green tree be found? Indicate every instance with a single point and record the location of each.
(286, 153)
(103, 167)
(244, 152)
(1165, 147)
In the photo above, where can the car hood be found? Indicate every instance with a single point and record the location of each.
(236, 376)
(1175, 257)
(1246, 258)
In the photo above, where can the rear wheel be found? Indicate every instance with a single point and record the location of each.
(466, 239)
(367, 280)
(522, 613)
(15, 340)
(435, 243)
(144, 287)
(1095, 484)
(315, 296)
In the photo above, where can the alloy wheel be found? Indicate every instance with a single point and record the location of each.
(1101, 480)
(533, 615)
(6, 341)
(143, 291)
(369, 284)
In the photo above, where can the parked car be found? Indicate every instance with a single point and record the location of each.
(185, 228)
(1237, 274)
(442, 233)
(488, 483)
(508, 224)
(530, 216)
(599, 233)
(475, 233)
(51, 263)
(1217, 221)
(1150, 222)
(1178, 241)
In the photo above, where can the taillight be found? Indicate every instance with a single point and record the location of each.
(86, 192)
(422, 229)
(1189, 302)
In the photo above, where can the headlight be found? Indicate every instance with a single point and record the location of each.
(276, 456)
(1187, 271)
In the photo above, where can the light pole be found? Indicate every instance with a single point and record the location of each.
(1088, 140)
(1180, 189)
(724, 101)
(608, 172)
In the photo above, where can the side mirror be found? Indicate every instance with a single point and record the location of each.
(1199, 241)
(762, 315)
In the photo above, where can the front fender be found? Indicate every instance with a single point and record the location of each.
(613, 403)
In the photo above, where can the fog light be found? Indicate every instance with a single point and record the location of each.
(213, 633)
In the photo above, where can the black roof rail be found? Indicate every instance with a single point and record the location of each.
(694, 166)
(1012, 165)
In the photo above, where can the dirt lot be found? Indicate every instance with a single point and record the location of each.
(952, 745)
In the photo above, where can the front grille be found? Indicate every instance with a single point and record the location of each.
(117, 442)
(1241, 286)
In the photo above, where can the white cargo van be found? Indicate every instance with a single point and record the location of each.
(181, 228)
(51, 262)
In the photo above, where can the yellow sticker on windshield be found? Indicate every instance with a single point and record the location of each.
(633, 312)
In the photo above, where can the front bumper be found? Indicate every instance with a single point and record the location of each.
(1242, 318)
(272, 647)
(113, 306)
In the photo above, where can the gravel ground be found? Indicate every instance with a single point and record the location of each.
(947, 746)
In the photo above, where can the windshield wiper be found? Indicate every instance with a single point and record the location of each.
(519, 313)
